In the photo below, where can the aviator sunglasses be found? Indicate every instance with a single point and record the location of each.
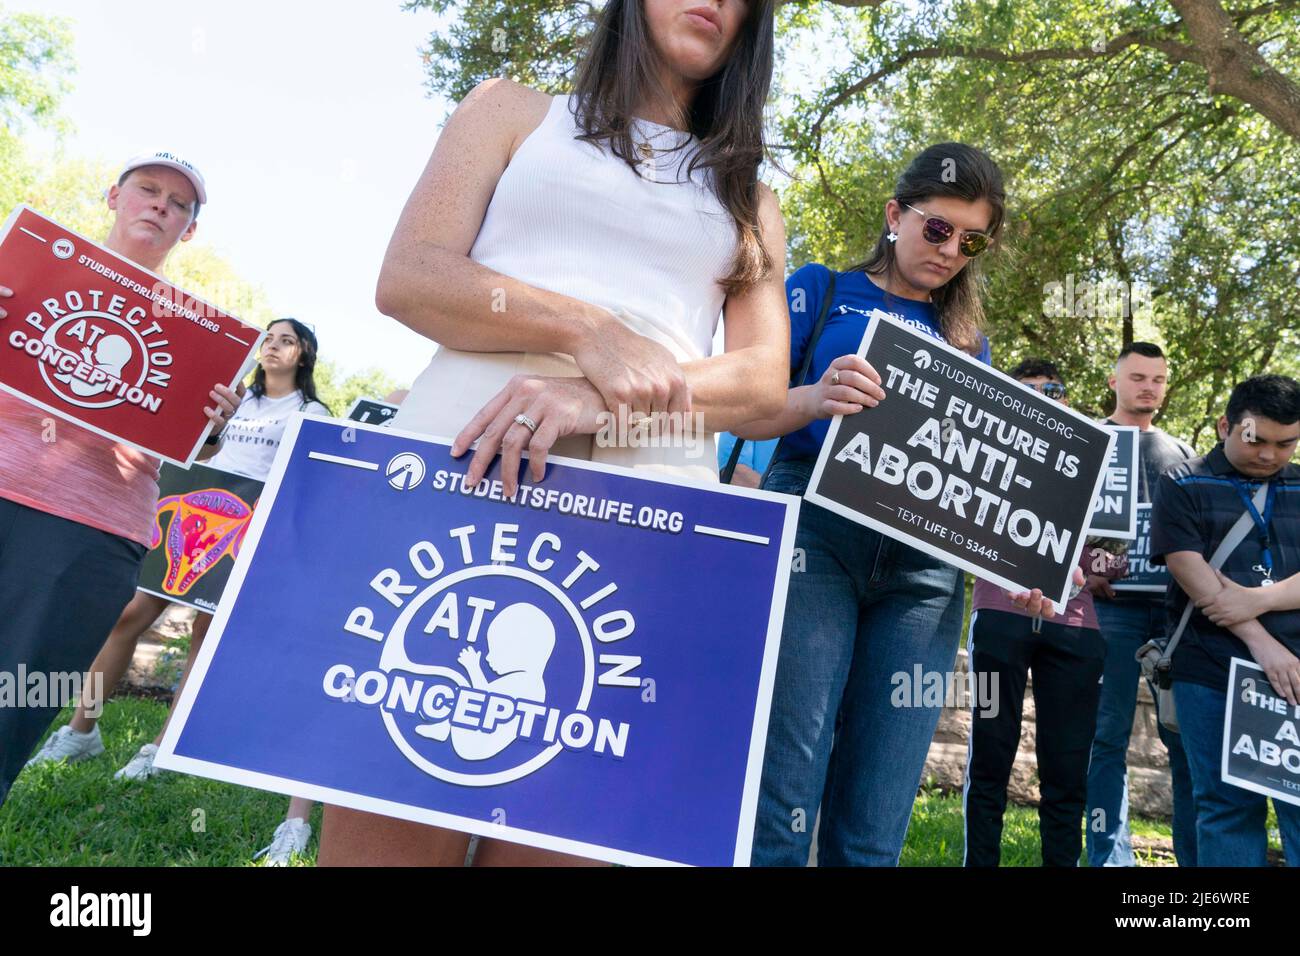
(1053, 390)
(937, 231)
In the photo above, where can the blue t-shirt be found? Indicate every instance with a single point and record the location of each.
(846, 323)
(755, 454)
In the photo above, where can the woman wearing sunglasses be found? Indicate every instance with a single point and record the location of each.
(863, 607)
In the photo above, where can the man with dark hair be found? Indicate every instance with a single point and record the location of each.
(1129, 620)
(1196, 505)
(1144, 349)
(76, 508)
(1037, 373)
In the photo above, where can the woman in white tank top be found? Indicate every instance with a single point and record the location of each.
(571, 256)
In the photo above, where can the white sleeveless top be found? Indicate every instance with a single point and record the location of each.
(570, 217)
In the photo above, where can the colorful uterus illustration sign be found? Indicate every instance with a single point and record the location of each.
(202, 517)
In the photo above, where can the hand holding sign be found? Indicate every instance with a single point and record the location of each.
(1261, 743)
(226, 402)
(848, 385)
(1101, 587)
(113, 347)
(969, 466)
(556, 407)
(465, 653)
(1280, 666)
(1033, 602)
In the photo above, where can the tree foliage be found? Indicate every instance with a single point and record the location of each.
(35, 68)
(339, 391)
(35, 61)
(1145, 146)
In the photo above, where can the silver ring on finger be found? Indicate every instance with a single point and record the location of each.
(526, 422)
(835, 379)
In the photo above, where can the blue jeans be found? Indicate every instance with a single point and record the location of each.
(1230, 821)
(864, 613)
(1126, 625)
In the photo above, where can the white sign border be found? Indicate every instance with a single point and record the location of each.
(167, 758)
(1240, 664)
(1129, 534)
(924, 546)
(1139, 588)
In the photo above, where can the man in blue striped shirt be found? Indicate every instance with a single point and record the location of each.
(1195, 506)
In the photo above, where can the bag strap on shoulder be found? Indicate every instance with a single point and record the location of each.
(1236, 534)
(799, 379)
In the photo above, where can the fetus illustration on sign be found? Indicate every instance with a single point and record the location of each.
(520, 642)
(111, 354)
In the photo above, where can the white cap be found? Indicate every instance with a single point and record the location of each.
(172, 161)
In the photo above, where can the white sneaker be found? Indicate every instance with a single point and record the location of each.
(68, 745)
(291, 837)
(141, 766)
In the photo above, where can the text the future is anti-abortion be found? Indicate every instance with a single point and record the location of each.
(965, 463)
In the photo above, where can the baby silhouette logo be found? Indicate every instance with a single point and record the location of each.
(94, 353)
(491, 671)
(111, 355)
(520, 641)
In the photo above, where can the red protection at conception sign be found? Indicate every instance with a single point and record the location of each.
(95, 339)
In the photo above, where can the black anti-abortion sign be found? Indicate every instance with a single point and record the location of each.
(1143, 576)
(1261, 743)
(965, 464)
(1114, 513)
(372, 411)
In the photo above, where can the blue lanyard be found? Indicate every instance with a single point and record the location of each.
(1261, 522)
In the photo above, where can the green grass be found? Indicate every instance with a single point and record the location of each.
(935, 837)
(78, 815)
(171, 662)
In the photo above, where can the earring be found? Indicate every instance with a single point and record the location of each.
(892, 237)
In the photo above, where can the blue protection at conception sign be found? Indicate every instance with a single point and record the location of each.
(586, 667)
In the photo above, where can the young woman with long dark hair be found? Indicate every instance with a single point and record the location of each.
(283, 384)
(863, 607)
(571, 255)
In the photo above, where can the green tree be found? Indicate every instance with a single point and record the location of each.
(1151, 145)
(35, 62)
(339, 390)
